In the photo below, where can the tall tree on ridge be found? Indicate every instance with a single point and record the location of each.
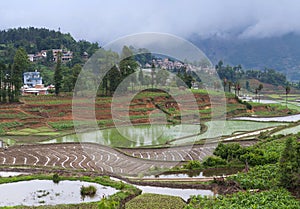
(58, 77)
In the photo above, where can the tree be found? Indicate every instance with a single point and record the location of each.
(114, 78)
(141, 77)
(58, 77)
(224, 83)
(2, 87)
(161, 77)
(75, 73)
(152, 74)
(229, 85)
(237, 88)
(287, 91)
(257, 91)
(127, 66)
(247, 85)
(21, 64)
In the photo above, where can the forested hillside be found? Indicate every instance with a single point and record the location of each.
(34, 40)
(281, 53)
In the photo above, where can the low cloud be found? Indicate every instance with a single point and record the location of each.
(105, 21)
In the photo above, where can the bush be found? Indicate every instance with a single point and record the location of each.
(193, 164)
(55, 178)
(214, 161)
(229, 151)
(88, 191)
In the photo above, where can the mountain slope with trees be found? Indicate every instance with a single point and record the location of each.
(34, 40)
(281, 53)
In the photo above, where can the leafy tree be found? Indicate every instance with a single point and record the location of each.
(128, 65)
(141, 77)
(58, 77)
(225, 83)
(114, 78)
(2, 87)
(75, 73)
(147, 80)
(257, 91)
(161, 77)
(21, 64)
(248, 85)
(152, 74)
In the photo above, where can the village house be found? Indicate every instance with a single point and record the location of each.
(33, 84)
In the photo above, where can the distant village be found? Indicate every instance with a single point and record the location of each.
(33, 81)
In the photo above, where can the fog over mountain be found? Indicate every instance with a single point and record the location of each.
(106, 20)
(254, 33)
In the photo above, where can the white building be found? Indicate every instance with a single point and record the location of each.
(32, 78)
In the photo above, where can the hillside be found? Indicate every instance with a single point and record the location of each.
(279, 53)
(34, 40)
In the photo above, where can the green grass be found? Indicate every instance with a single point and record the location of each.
(40, 131)
(7, 125)
(155, 201)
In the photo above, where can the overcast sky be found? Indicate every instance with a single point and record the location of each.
(106, 20)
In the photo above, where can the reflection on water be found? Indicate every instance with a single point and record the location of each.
(8, 173)
(41, 192)
(290, 118)
(132, 136)
(198, 174)
(183, 193)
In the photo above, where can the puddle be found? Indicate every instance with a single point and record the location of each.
(45, 192)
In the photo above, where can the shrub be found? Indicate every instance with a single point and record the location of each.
(55, 178)
(229, 151)
(193, 164)
(214, 161)
(88, 190)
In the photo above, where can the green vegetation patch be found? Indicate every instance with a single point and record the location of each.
(6, 125)
(275, 198)
(155, 201)
(259, 177)
(40, 131)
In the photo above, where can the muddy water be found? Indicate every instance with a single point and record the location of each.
(132, 136)
(45, 192)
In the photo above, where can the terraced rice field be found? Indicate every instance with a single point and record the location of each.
(93, 157)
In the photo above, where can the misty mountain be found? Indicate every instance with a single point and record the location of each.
(279, 53)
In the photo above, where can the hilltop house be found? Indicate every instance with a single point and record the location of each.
(38, 56)
(65, 55)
